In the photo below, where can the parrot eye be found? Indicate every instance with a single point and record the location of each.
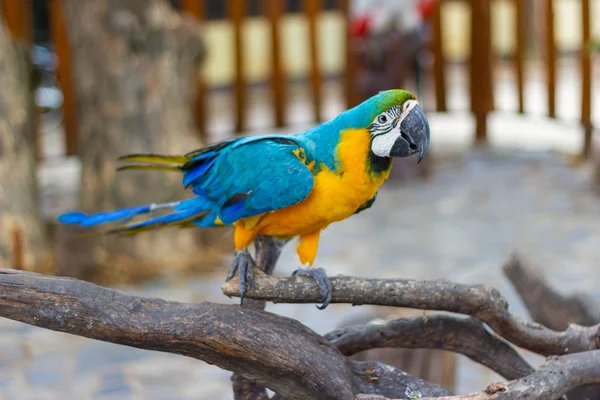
(382, 119)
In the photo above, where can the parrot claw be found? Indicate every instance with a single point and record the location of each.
(242, 265)
(319, 275)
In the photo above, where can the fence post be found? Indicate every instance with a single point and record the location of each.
(350, 67)
(275, 9)
(18, 19)
(550, 59)
(61, 46)
(438, 59)
(586, 79)
(236, 11)
(520, 42)
(481, 67)
(196, 9)
(313, 7)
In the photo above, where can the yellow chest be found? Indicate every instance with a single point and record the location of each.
(336, 195)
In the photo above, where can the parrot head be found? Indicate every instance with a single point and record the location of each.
(397, 124)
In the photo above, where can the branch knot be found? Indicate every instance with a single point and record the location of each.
(496, 387)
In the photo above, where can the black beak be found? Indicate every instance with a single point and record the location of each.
(414, 135)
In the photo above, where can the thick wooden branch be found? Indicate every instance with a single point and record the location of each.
(277, 352)
(268, 250)
(480, 301)
(545, 304)
(552, 309)
(550, 382)
(467, 336)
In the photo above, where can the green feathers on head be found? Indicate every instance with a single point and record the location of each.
(384, 100)
(363, 114)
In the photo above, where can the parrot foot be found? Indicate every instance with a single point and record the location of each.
(242, 265)
(319, 275)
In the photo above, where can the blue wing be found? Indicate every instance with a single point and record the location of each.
(232, 180)
(249, 176)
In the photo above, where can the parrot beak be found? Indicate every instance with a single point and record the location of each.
(414, 135)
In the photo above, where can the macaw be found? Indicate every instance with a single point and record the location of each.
(283, 186)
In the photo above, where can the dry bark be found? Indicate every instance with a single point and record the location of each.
(268, 250)
(424, 364)
(480, 301)
(551, 381)
(544, 303)
(135, 64)
(432, 364)
(23, 244)
(552, 309)
(274, 351)
(467, 336)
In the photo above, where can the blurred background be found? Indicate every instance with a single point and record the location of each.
(509, 87)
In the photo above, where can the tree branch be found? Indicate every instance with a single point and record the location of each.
(277, 352)
(268, 250)
(439, 331)
(550, 382)
(552, 309)
(545, 304)
(480, 301)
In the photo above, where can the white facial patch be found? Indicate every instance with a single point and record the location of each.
(386, 127)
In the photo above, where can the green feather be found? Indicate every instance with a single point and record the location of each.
(146, 167)
(155, 159)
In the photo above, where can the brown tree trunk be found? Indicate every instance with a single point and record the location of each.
(22, 234)
(134, 68)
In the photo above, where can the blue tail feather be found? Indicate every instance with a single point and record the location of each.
(74, 218)
(83, 219)
(172, 218)
(199, 203)
(183, 212)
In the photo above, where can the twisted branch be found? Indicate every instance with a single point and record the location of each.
(550, 382)
(439, 331)
(545, 304)
(553, 309)
(480, 301)
(297, 363)
(274, 351)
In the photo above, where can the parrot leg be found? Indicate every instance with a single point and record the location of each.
(307, 252)
(319, 275)
(242, 264)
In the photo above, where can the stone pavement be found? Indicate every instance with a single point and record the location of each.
(460, 225)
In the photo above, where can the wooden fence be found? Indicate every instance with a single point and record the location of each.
(17, 14)
(481, 69)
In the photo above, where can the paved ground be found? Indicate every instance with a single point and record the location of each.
(461, 225)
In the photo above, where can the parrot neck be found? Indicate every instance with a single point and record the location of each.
(378, 165)
(322, 141)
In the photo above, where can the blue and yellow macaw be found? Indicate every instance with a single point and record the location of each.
(284, 185)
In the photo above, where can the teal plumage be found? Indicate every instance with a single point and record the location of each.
(249, 176)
